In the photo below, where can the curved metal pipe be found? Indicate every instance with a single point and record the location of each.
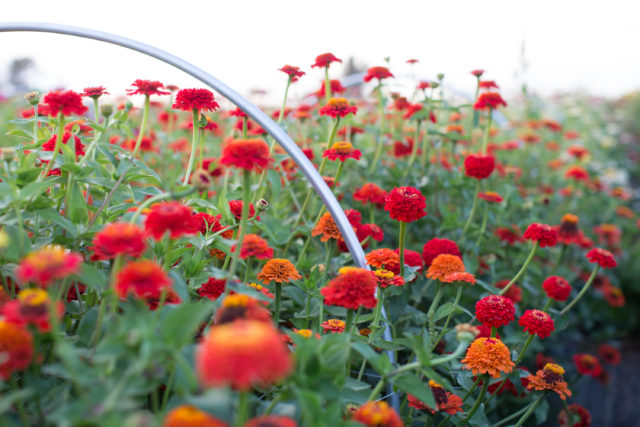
(308, 169)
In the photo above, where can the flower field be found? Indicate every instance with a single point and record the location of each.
(165, 262)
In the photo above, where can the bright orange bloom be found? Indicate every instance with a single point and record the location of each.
(271, 421)
(378, 414)
(333, 326)
(488, 356)
(383, 258)
(48, 263)
(278, 270)
(242, 354)
(326, 227)
(550, 378)
(460, 277)
(387, 278)
(444, 265)
(16, 348)
(190, 416)
(243, 307)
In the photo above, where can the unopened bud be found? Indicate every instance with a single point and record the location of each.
(8, 153)
(434, 85)
(261, 205)
(4, 239)
(201, 179)
(440, 76)
(106, 110)
(466, 332)
(33, 97)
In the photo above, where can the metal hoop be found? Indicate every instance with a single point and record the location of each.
(308, 169)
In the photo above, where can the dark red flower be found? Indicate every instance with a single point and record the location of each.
(435, 247)
(235, 206)
(537, 322)
(212, 288)
(94, 92)
(489, 100)
(557, 288)
(50, 145)
(120, 238)
(509, 235)
(174, 217)
(495, 311)
(544, 234)
(424, 85)
(603, 257)
(248, 154)
(211, 224)
(491, 196)
(325, 60)
(254, 246)
(405, 204)
(377, 73)
(609, 354)
(586, 364)
(195, 99)
(411, 258)
(479, 166)
(147, 87)
(68, 103)
(352, 289)
(293, 72)
(569, 420)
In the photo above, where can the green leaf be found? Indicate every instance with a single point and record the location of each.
(410, 384)
(443, 311)
(33, 189)
(92, 277)
(541, 411)
(77, 206)
(371, 356)
(179, 326)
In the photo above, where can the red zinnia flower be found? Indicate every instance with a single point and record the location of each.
(411, 258)
(405, 204)
(186, 415)
(248, 154)
(211, 224)
(477, 73)
(537, 322)
(336, 88)
(16, 347)
(195, 99)
(377, 73)
(603, 257)
(212, 288)
(32, 307)
(50, 145)
(509, 235)
(116, 239)
(174, 217)
(557, 288)
(587, 364)
(293, 72)
(487, 84)
(342, 150)
(445, 401)
(242, 354)
(271, 421)
(387, 278)
(235, 206)
(489, 100)
(48, 263)
(577, 172)
(491, 196)
(68, 103)
(435, 247)
(255, 246)
(147, 87)
(609, 354)
(514, 293)
(479, 166)
(145, 279)
(325, 60)
(567, 420)
(370, 193)
(242, 307)
(338, 107)
(495, 311)
(94, 92)
(544, 234)
(377, 414)
(568, 231)
(352, 289)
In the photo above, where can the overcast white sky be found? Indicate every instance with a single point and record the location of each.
(592, 45)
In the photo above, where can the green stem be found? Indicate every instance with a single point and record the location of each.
(276, 315)
(446, 323)
(284, 101)
(56, 148)
(348, 321)
(403, 231)
(472, 211)
(246, 201)
(143, 126)
(483, 227)
(374, 326)
(514, 415)
(414, 150)
(476, 405)
(432, 309)
(243, 409)
(522, 269)
(380, 142)
(530, 410)
(327, 85)
(485, 140)
(194, 145)
(582, 292)
(524, 348)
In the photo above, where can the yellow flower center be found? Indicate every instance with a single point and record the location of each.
(384, 274)
(552, 367)
(236, 300)
(33, 297)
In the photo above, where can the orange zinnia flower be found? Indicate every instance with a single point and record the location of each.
(445, 401)
(326, 227)
(187, 415)
(444, 265)
(378, 414)
(16, 347)
(278, 270)
(383, 258)
(488, 355)
(550, 378)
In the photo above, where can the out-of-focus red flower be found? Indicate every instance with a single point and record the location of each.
(242, 307)
(352, 289)
(445, 401)
(50, 145)
(67, 103)
(94, 92)
(271, 421)
(377, 414)
(173, 217)
(479, 166)
(195, 99)
(544, 234)
(495, 311)
(333, 326)
(379, 73)
(32, 307)
(247, 154)
(514, 293)
(587, 364)
(423, 85)
(16, 347)
(537, 322)
(405, 204)
(569, 420)
(342, 150)
(336, 88)
(144, 279)
(147, 87)
(490, 100)
(212, 288)
(186, 415)
(235, 206)
(487, 84)
(491, 196)
(603, 257)
(609, 354)
(568, 231)
(411, 258)
(51, 262)
(557, 288)
(242, 354)
(578, 173)
(338, 107)
(609, 234)
(325, 60)
(370, 193)
(254, 246)
(120, 238)
(293, 72)
(477, 73)
(510, 235)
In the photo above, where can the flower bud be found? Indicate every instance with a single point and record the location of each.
(201, 179)
(434, 85)
(33, 97)
(440, 76)
(465, 332)
(7, 153)
(261, 205)
(106, 110)
(4, 239)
